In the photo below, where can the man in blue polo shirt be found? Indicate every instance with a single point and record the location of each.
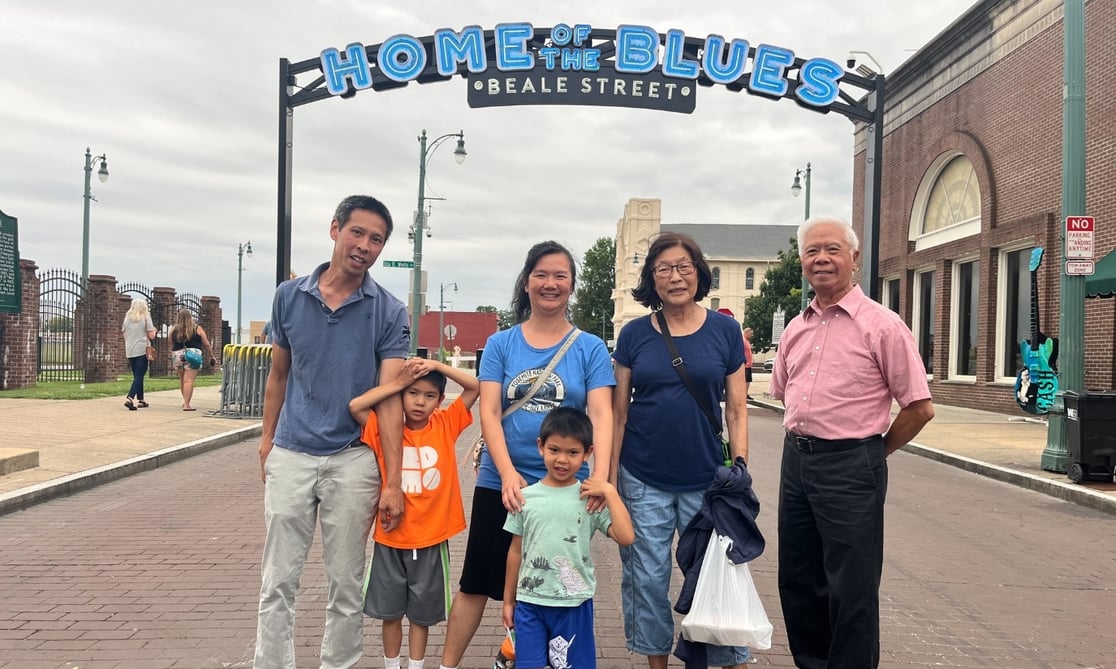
(334, 333)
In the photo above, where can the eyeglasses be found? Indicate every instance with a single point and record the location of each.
(664, 271)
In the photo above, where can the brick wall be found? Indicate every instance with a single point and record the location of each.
(1008, 122)
(99, 343)
(19, 334)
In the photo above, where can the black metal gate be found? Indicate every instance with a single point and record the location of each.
(61, 327)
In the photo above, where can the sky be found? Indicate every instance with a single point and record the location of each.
(183, 102)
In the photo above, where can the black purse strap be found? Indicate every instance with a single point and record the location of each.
(676, 361)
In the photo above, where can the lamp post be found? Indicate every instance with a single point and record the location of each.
(420, 218)
(241, 251)
(102, 174)
(442, 317)
(796, 188)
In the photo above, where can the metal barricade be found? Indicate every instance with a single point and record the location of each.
(244, 376)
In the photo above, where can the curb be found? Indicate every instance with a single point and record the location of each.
(67, 485)
(1064, 491)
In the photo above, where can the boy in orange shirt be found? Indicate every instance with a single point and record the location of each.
(410, 565)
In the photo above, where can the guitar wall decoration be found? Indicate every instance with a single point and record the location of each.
(1037, 382)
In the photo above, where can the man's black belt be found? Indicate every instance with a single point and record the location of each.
(810, 444)
(355, 443)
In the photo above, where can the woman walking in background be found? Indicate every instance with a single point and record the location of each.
(138, 332)
(188, 341)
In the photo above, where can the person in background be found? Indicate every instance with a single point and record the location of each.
(550, 582)
(513, 360)
(748, 358)
(840, 364)
(335, 332)
(138, 332)
(409, 573)
(666, 451)
(185, 335)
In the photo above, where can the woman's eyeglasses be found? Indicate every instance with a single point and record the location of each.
(684, 268)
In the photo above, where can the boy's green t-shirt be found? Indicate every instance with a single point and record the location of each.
(556, 569)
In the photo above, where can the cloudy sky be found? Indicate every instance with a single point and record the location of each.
(182, 99)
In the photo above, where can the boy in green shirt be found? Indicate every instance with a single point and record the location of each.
(548, 593)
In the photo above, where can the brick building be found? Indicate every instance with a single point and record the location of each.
(972, 182)
(471, 329)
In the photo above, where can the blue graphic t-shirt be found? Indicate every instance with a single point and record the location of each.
(513, 363)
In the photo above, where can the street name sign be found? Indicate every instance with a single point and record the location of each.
(399, 263)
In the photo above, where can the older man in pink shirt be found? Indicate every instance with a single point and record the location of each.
(839, 366)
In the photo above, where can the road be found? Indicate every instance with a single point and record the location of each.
(162, 570)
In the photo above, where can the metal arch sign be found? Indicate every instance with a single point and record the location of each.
(632, 66)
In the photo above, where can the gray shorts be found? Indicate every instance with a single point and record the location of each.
(411, 582)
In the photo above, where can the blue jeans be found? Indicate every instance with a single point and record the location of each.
(645, 587)
(138, 366)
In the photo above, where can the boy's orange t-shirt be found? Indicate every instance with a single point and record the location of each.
(432, 511)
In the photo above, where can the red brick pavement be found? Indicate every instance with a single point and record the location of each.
(162, 570)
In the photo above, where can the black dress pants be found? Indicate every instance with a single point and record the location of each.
(831, 524)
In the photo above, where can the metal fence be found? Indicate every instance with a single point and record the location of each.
(61, 327)
(244, 376)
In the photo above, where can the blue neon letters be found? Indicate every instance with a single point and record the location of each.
(639, 50)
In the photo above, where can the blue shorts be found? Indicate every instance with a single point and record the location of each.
(554, 636)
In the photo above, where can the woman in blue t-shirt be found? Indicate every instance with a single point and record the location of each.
(512, 360)
(665, 449)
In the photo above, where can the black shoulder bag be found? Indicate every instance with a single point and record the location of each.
(703, 404)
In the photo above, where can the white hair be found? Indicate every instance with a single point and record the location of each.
(850, 234)
(138, 311)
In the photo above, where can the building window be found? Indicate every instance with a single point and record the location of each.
(947, 203)
(716, 279)
(966, 294)
(714, 303)
(749, 279)
(1015, 282)
(924, 318)
(891, 294)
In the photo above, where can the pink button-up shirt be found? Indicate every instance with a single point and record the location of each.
(838, 370)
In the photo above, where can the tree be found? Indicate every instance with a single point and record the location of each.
(593, 309)
(781, 287)
(504, 317)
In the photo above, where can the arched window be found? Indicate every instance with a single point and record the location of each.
(716, 279)
(714, 303)
(947, 204)
(749, 279)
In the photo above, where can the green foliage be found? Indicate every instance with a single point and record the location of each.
(781, 287)
(60, 324)
(504, 317)
(593, 308)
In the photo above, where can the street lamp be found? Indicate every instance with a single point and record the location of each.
(420, 218)
(796, 188)
(442, 317)
(241, 251)
(102, 174)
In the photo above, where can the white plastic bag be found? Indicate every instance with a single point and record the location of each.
(726, 610)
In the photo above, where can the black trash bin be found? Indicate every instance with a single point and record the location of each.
(1090, 435)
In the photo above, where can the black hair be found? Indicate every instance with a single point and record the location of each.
(645, 292)
(521, 302)
(366, 202)
(570, 423)
(436, 378)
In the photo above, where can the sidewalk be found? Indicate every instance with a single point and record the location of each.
(88, 442)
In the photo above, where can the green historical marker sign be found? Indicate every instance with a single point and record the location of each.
(11, 284)
(399, 263)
